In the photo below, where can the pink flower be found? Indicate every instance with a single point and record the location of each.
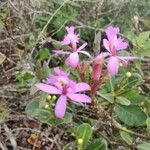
(67, 89)
(114, 44)
(73, 58)
(71, 38)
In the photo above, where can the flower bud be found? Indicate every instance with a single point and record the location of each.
(80, 141)
(49, 97)
(54, 97)
(46, 106)
(120, 64)
(128, 74)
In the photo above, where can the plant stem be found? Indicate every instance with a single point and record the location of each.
(120, 127)
(48, 22)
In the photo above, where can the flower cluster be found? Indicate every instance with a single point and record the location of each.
(69, 90)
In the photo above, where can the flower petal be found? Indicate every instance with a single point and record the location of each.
(60, 107)
(106, 44)
(60, 72)
(82, 47)
(66, 40)
(71, 37)
(70, 29)
(113, 65)
(86, 53)
(52, 79)
(111, 32)
(80, 98)
(126, 59)
(121, 44)
(47, 88)
(80, 87)
(99, 59)
(60, 52)
(73, 60)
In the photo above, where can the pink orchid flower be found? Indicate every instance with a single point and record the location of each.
(73, 39)
(68, 91)
(114, 44)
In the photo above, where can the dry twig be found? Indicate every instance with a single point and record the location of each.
(10, 136)
(15, 37)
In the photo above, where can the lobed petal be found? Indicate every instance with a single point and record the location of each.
(60, 107)
(60, 72)
(121, 44)
(80, 87)
(80, 98)
(52, 79)
(70, 29)
(73, 60)
(113, 65)
(111, 32)
(106, 45)
(66, 40)
(47, 88)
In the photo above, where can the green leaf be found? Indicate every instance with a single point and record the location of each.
(126, 137)
(2, 58)
(84, 132)
(143, 37)
(134, 96)
(33, 90)
(131, 115)
(130, 94)
(45, 70)
(42, 71)
(148, 125)
(42, 99)
(98, 144)
(32, 108)
(138, 99)
(133, 80)
(97, 40)
(43, 115)
(123, 53)
(132, 37)
(67, 119)
(43, 54)
(122, 100)
(144, 146)
(107, 97)
(147, 106)
(143, 52)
